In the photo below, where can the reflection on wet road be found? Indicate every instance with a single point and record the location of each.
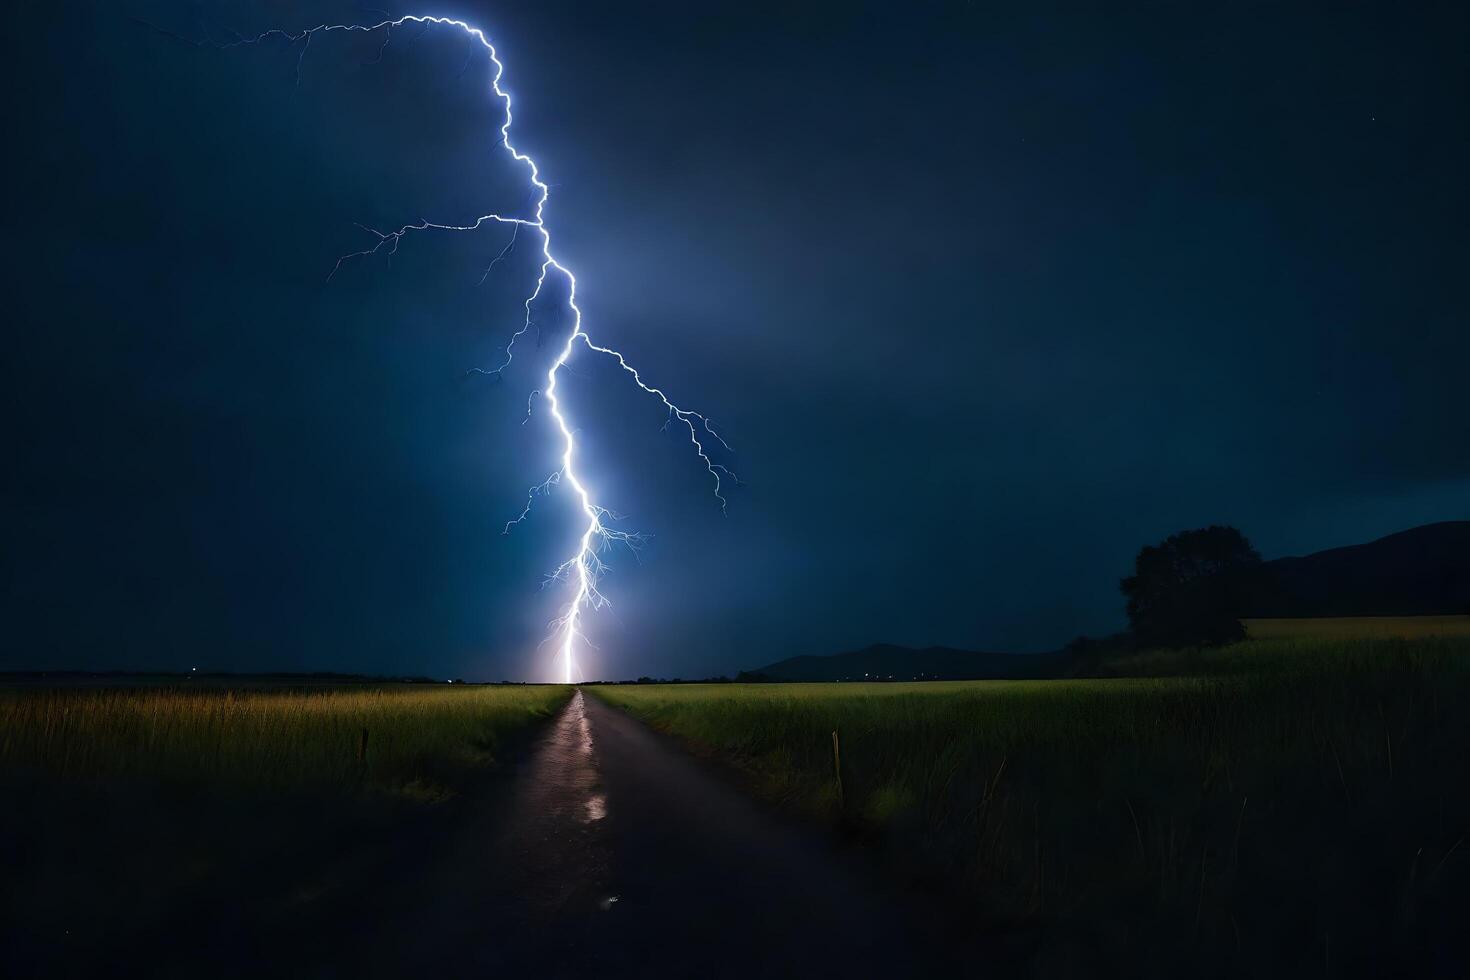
(613, 853)
(528, 869)
(561, 782)
(549, 839)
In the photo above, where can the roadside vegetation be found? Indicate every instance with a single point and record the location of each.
(1265, 807)
(399, 738)
(144, 823)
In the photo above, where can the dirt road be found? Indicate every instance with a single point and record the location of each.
(606, 851)
(619, 855)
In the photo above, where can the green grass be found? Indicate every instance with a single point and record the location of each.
(1322, 656)
(140, 817)
(1358, 627)
(1290, 803)
(419, 738)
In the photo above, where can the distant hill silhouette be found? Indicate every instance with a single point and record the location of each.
(1424, 571)
(883, 661)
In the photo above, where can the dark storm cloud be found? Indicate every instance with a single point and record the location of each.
(985, 300)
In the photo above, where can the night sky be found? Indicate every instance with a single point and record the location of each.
(984, 297)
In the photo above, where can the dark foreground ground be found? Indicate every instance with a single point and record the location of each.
(1278, 808)
(618, 855)
(603, 851)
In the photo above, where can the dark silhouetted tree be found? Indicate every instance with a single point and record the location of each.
(1190, 589)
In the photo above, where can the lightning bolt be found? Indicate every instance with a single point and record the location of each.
(586, 566)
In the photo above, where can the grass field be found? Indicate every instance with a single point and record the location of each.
(418, 737)
(139, 818)
(1358, 627)
(1293, 805)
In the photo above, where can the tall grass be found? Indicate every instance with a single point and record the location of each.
(1358, 627)
(1292, 803)
(157, 825)
(257, 739)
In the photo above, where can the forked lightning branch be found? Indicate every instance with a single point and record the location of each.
(582, 571)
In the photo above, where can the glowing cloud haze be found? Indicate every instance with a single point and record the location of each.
(582, 570)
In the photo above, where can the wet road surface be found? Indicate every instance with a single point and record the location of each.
(616, 854)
